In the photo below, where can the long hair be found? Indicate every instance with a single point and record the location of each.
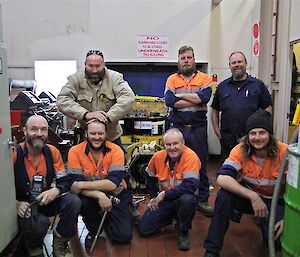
(248, 150)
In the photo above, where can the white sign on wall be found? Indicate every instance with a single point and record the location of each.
(151, 46)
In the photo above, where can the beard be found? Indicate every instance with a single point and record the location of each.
(36, 143)
(95, 78)
(90, 143)
(238, 73)
(187, 70)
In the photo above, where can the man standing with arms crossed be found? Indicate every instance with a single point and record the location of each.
(187, 93)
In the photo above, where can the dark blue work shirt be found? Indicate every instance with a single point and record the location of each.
(237, 100)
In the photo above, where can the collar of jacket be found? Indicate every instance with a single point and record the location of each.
(104, 148)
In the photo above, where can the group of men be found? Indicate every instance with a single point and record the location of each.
(176, 176)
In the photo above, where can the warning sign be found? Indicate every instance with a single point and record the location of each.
(152, 47)
(256, 38)
(256, 47)
(255, 30)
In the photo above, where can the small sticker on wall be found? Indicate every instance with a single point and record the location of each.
(292, 175)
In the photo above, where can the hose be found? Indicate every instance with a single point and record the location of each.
(271, 241)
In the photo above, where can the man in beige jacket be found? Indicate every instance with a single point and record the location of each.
(97, 92)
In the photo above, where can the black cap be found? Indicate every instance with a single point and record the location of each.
(260, 119)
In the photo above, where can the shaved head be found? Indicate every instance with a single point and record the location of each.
(36, 119)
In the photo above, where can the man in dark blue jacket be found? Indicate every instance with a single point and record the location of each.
(37, 166)
(237, 98)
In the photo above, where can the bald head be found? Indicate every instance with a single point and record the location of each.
(36, 132)
(173, 132)
(174, 143)
(34, 119)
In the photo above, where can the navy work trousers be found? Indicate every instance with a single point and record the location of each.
(182, 209)
(117, 223)
(196, 139)
(35, 228)
(226, 205)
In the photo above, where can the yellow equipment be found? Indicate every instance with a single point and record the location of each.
(296, 119)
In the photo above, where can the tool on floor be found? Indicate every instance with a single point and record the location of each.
(114, 200)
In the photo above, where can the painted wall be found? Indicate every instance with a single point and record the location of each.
(55, 30)
(295, 20)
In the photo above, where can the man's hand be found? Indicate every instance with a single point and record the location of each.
(153, 204)
(218, 133)
(104, 202)
(75, 188)
(100, 115)
(48, 196)
(278, 228)
(23, 207)
(259, 207)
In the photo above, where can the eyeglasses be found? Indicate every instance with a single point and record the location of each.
(97, 52)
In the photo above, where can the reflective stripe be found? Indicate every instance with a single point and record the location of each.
(187, 91)
(150, 173)
(172, 183)
(259, 182)
(195, 108)
(190, 174)
(118, 190)
(164, 184)
(61, 174)
(116, 167)
(233, 164)
(75, 171)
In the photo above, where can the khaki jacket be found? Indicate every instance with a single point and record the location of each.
(112, 95)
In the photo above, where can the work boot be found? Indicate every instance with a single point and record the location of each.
(89, 240)
(184, 242)
(61, 247)
(135, 216)
(210, 254)
(36, 252)
(205, 209)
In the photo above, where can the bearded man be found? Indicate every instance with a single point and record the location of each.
(247, 180)
(96, 167)
(187, 94)
(237, 98)
(41, 186)
(97, 93)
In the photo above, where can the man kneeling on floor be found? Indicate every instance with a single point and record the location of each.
(36, 166)
(97, 168)
(247, 180)
(175, 171)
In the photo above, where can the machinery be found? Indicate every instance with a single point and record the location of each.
(26, 103)
(145, 122)
(138, 156)
(142, 133)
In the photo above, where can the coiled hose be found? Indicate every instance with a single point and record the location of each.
(271, 241)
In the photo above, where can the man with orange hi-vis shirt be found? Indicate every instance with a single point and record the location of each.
(247, 180)
(187, 94)
(96, 167)
(41, 192)
(174, 173)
